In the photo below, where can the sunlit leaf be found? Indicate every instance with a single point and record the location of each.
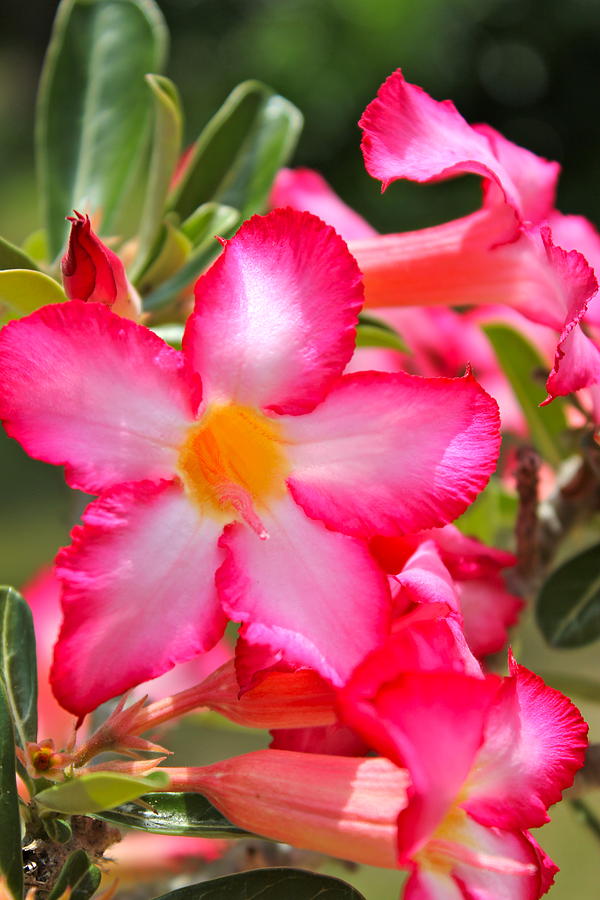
(170, 253)
(240, 151)
(166, 146)
(268, 884)
(568, 605)
(94, 109)
(12, 257)
(79, 877)
(178, 813)
(520, 361)
(210, 220)
(11, 858)
(35, 246)
(98, 791)
(18, 669)
(22, 291)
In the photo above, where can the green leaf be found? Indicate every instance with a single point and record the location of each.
(98, 791)
(11, 857)
(169, 254)
(568, 605)
(179, 814)
(166, 146)
(372, 332)
(58, 830)
(519, 360)
(18, 667)
(12, 257)
(211, 219)
(78, 874)
(22, 291)
(268, 884)
(36, 246)
(172, 334)
(240, 151)
(94, 109)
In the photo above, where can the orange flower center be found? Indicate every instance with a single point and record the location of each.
(233, 462)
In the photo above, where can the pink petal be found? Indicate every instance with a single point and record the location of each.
(578, 233)
(306, 189)
(488, 611)
(496, 849)
(84, 388)
(139, 593)
(393, 453)
(432, 884)
(275, 316)
(534, 743)
(338, 805)
(534, 177)
(312, 594)
(408, 134)
(425, 579)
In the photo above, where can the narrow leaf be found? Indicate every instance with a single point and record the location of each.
(22, 291)
(18, 668)
(179, 814)
(98, 791)
(568, 605)
(268, 884)
(210, 220)
(372, 332)
(240, 151)
(169, 254)
(12, 257)
(94, 109)
(11, 857)
(166, 146)
(79, 876)
(519, 360)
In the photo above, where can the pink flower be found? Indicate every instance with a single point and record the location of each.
(445, 565)
(503, 253)
(486, 756)
(469, 763)
(92, 272)
(246, 455)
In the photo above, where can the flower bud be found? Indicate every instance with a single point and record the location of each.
(93, 272)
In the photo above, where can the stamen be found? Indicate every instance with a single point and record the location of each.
(241, 501)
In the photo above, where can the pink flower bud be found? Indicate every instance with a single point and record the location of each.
(93, 272)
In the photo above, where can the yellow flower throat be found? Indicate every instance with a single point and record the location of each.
(233, 462)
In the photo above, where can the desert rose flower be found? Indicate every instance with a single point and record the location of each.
(92, 272)
(478, 759)
(504, 253)
(245, 455)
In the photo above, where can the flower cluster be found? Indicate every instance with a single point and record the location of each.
(271, 474)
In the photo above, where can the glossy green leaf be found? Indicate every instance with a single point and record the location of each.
(98, 791)
(568, 605)
(18, 668)
(520, 361)
(35, 246)
(268, 884)
(11, 857)
(22, 291)
(240, 151)
(166, 147)
(179, 814)
(372, 332)
(94, 109)
(12, 257)
(79, 875)
(210, 220)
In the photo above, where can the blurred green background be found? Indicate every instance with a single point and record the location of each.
(528, 67)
